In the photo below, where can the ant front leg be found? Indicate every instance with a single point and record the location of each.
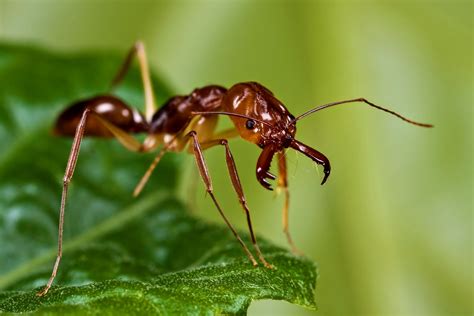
(204, 171)
(234, 176)
(226, 134)
(283, 185)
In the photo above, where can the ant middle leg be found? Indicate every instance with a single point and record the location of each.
(234, 176)
(202, 125)
(178, 143)
(166, 148)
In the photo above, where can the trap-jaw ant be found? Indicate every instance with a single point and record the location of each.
(188, 123)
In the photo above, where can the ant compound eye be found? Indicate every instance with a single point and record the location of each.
(250, 124)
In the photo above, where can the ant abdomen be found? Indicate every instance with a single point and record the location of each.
(111, 108)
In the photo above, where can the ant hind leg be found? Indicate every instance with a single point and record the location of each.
(122, 136)
(71, 165)
(138, 49)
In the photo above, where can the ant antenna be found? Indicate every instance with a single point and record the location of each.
(321, 107)
(232, 114)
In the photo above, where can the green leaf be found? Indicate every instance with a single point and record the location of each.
(145, 255)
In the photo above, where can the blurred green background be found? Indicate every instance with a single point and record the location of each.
(392, 230)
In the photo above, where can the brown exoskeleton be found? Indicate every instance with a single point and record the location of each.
(189, 122)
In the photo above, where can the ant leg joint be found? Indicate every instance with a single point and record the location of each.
(139, 45)
(224, 142)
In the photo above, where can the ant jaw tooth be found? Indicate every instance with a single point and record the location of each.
(268, 186)
(270, 175)
(265, 184)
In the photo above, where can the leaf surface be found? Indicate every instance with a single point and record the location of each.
(145, 255)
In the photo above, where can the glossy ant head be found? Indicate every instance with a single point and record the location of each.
(263, 120)
(268, 122)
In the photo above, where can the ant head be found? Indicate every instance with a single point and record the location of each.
(264, 120)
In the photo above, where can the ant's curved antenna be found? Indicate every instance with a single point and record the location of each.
(321, 107)
(232, 114)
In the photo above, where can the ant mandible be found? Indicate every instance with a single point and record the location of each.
(257, 115)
